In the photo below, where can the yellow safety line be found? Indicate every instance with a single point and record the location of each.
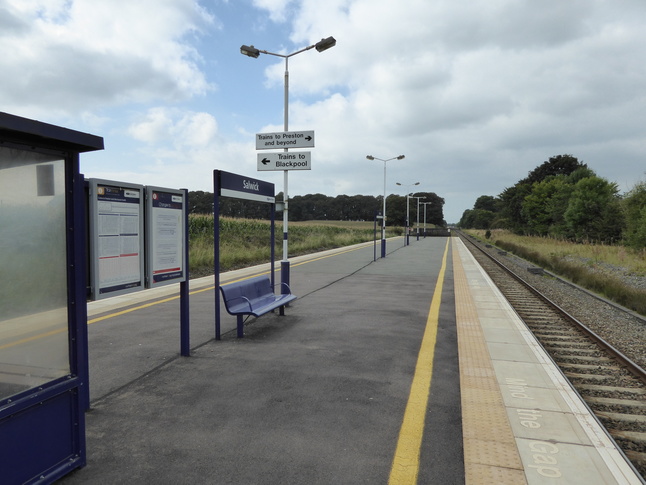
(405, 466)
(268, 271)
(157, 302)
(139, 307)
(35, 337)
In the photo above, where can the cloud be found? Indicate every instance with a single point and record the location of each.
(179, 148)
(475, 94)
(184, 129)
(71, 55)
(277, 9)
(486, 88)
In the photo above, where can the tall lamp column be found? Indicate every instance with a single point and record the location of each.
(251, 51)
(383, 214)
(418, 199)
(407, 236)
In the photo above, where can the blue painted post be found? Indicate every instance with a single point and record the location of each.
(185, 331)
(216, 249)
(78, 230)
(273, 243)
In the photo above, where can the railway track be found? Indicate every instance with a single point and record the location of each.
(612, 385)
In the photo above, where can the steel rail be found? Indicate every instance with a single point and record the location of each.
(629, 364)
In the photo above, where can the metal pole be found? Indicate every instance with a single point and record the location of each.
(425, 218)
(418, 198)
(216, 248)
(383, 219)
(407, 220)
(374, 236)
(272, 237)
(184, 293)
(251, 51)
(284, 264)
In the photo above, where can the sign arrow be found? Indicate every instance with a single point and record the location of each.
(285, 161)
(285, 139)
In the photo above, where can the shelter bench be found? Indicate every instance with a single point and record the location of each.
(253, 296)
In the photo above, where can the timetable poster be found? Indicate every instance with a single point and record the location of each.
(166, 236)
(118, 229)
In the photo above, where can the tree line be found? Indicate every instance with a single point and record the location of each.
(566, 199)
(313, 207)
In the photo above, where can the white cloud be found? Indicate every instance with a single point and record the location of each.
(486, 88)
(475, 94)
(277, 9)
(186, 130)
(66, 55)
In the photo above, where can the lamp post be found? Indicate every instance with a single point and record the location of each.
(418, 199)
(425, 204)
(251, 51)
(383, 214)
(407, 238)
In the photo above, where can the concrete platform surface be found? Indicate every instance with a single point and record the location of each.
(408, 369)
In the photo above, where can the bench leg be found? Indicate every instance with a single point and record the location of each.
(281, 311)
(240, 327)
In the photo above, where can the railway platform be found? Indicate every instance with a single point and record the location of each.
(408, 369)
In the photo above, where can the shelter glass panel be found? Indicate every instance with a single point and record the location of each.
(34, 342)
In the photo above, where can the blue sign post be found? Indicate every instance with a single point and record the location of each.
(228, 184)
(43, 312)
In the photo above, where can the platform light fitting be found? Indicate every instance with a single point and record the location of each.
(400, 157)
(249, 50)
(325, 44)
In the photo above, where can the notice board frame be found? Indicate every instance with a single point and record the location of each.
(120, 241)
(169, 200)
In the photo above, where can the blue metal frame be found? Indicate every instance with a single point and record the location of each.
(47, 423)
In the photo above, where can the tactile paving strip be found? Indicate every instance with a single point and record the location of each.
(490, 450)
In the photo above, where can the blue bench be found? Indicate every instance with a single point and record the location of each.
(253, 296)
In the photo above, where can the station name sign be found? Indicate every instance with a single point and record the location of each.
(285, 139)
(239, 187)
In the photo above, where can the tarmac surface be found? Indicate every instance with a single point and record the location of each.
(317, 396)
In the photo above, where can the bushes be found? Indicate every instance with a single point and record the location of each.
(634, 205)
(566, 199)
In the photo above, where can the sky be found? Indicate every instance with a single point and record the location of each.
(475, 94)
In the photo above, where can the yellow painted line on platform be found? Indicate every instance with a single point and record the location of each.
(139, 307)
(35, 337)
(157, 302)
(166, 300)
(331, 255)
(405, 466)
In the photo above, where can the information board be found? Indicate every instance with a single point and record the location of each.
(116, 237)
(165, 230)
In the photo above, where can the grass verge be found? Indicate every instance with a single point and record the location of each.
(587, 265)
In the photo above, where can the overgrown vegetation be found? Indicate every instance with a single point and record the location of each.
(246, 242)
(585, 264)
(565, 199)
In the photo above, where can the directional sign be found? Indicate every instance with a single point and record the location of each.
(285, 139)
(285, 161)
